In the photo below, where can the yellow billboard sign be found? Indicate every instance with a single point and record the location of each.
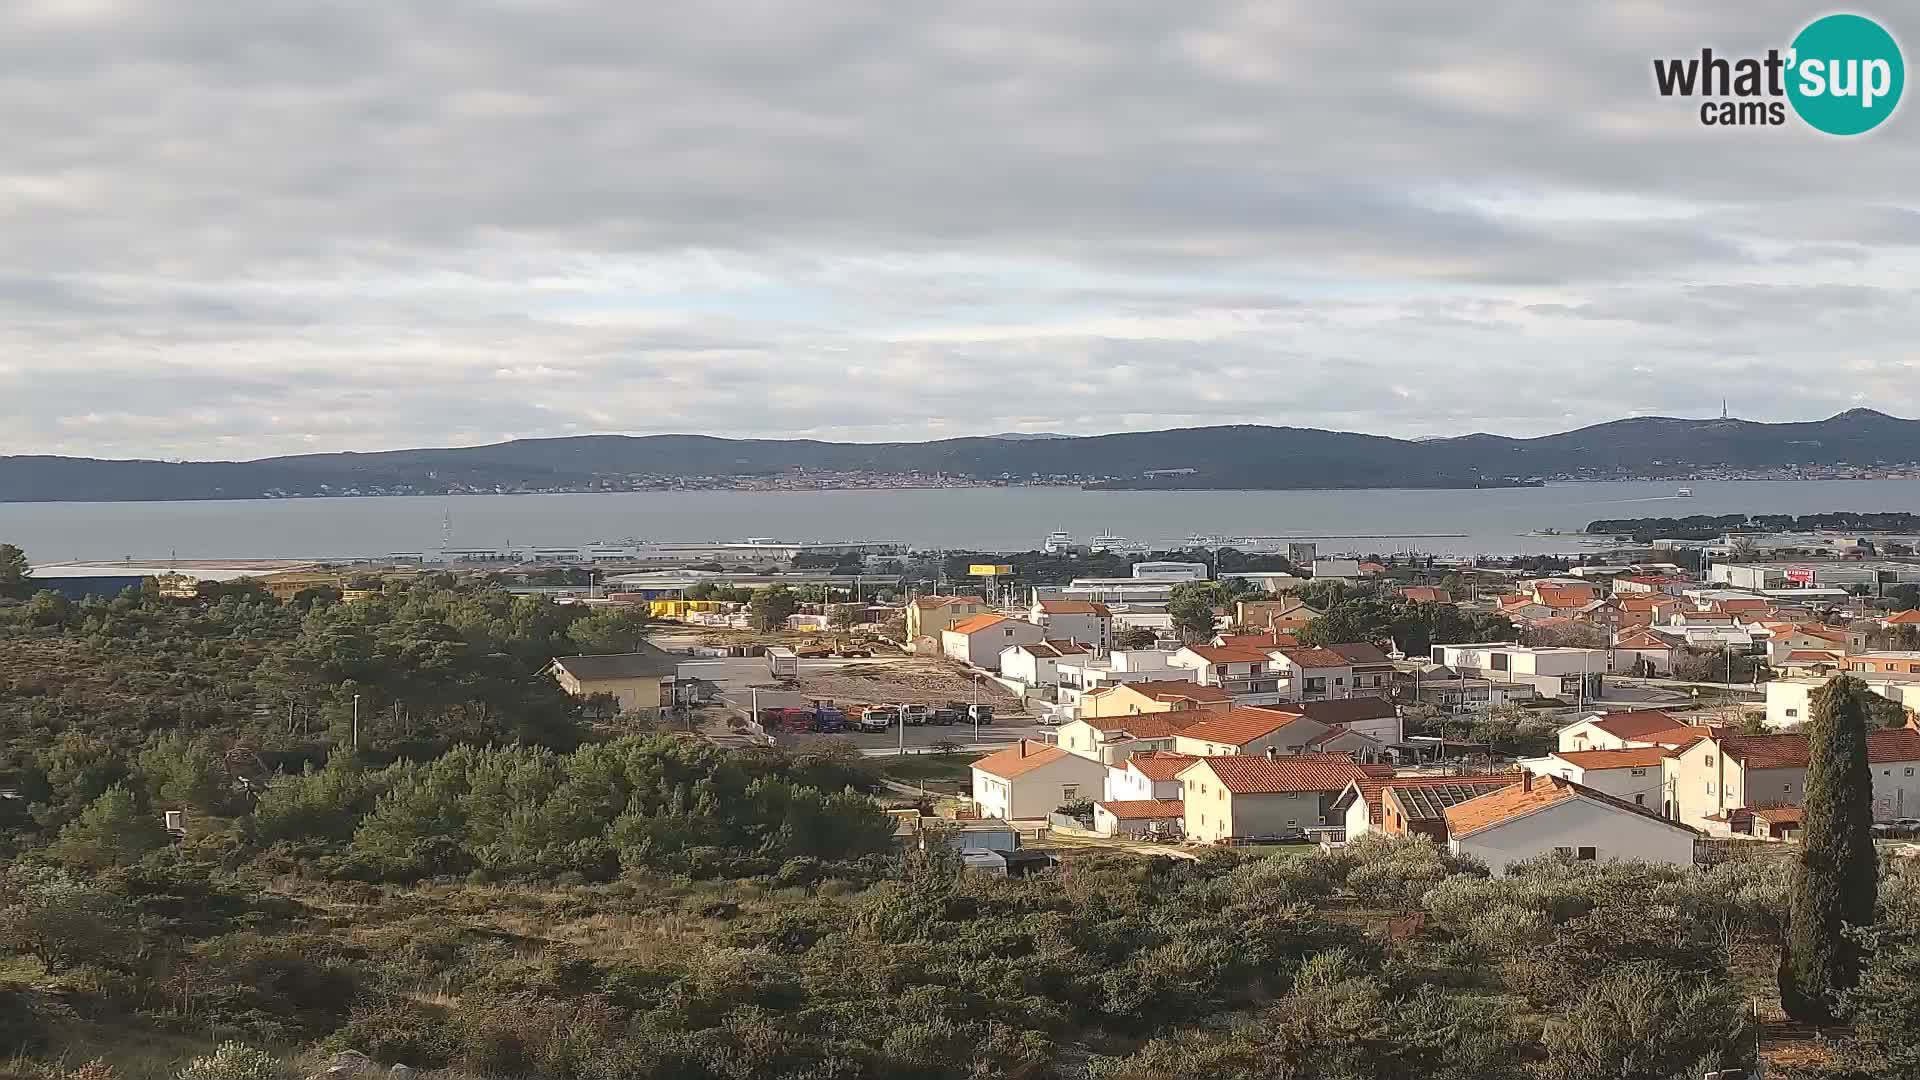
(990, 569)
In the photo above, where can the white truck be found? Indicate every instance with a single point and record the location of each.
(782, 662)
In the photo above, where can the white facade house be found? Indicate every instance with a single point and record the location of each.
(1546, 815)
(1084, 675)
(1312, 674)
(1151, 775)
(1621, 730)
(1790, 701)
(1031, 780)
(1565, 673)
(1082, 621)
(1245, 673)
(1038, 664)
(1634, 775)
(980, 640)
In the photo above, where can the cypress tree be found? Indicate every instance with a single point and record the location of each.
(1835, 881)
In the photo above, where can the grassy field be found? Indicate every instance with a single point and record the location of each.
(935, 772)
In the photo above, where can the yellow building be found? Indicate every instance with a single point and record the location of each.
(1133, 699)
(640, 683)
(929, 616)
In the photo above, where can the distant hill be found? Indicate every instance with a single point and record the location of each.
(1213, 457)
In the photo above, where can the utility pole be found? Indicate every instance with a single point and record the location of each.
(356, 723)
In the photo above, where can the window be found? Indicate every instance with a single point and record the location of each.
(1639, 800)
(1639, 772)
(1709, 787)
(1588, 854)
(1339, 680)
(1790, 712)
(1565, 851)
(1709, 760)
(1909, 770)
(1786, 787)
(1223, 794)
(1069, 792)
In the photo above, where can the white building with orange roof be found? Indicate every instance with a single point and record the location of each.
(979, 641)
(1031, 779)
(1640, 651)
(1635, 774)
(1249, 731)
(1249, 797)
(1544, 815)
(1154, 774)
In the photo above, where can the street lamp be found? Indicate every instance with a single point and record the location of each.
(356, 723)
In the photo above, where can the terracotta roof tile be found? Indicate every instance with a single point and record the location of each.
(1903, 618)
(976, 624)
(1361, 653)
(1221, 654)
(1339, 712)
(1260, 775)
(1238, 727)
(1788, 750)
(1635, 723)
(1021, 758)
(1423, 594)
(1261, 642)
(1641, 638)
(1153, 725)
(1073, 607)
(1636, 758)
(1308, 657)
(1144, 809)
(1498, 807)
(1160, 765)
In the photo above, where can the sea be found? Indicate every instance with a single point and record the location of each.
(1446, 522)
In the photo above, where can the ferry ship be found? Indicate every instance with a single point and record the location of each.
(1057, 542)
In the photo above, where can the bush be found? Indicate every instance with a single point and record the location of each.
(233, 1061)
(1643, 1020)
(1396, 872)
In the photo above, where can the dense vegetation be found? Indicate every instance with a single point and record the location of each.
(1374, 613)
(1710, 526)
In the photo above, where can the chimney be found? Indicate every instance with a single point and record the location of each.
(1023, 748)
(1273, 753)
(1526, 780)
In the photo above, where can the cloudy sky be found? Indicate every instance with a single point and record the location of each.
(242, 227)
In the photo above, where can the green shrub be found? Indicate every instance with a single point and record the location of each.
(233, 1061)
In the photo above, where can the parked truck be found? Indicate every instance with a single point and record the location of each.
(782, 662)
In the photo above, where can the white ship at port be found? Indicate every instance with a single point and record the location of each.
(1057, 542)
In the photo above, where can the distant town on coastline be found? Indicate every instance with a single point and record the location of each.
(1860, 443)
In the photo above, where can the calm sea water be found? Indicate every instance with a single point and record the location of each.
(1455, 522)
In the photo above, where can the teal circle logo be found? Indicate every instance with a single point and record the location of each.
(1846, 74)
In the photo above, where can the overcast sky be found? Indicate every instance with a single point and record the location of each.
(243, 227)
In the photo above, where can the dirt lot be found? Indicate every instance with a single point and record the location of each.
(901, 681)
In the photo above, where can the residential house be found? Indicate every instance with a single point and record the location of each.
(1716, 776)
(1132, 699)
(1640, 651)
(1372, 670)
(1358, 745)
(1038, 664)
(1314, 674)
(639, 682)
(1031, 779)
(1261, 640)
(1648, 585)
(1902, 662)
(978, 641)
(1425, 594)
(1084, 621)
(1090, 673)
(1551, 814)
(1445, 688)
(1617, 730)
(1901, 618)
(1790, 699)
(1247, 797)
(1375, 717)
(1248, 731)
(1112, 740)
(929, 616)
(1247, 674)
(1636, 775)
(1139, 817)
(1417, 806)
(1565, 673)
(1809, 663)
(1151, 774)
(1339, 569)
(1289, 615)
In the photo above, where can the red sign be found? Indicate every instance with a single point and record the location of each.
(1802, 575)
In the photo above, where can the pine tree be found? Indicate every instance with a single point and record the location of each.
(1836, 879)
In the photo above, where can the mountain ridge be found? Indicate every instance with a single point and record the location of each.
(1227, 456)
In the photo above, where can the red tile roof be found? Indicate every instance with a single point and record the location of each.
(1160, 765)
(1019, 759)
(1780, 815)
(1635, 723)
(1815, 656)
(1636, 758)
(1424, 594)
(1244, 774)
(1144, 809)
(1181, 691)
(1261, 642)
(977, 623)
(1339, 712)
(1315, 658)
(1642, 638)
(1788, 750)
(1361, 654)
(1073, 607)
(1903, 618)
(1153, 725)
(1499, 807)
(1222, 654)
(1238, 727)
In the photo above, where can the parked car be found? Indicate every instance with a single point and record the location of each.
(915, 715)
